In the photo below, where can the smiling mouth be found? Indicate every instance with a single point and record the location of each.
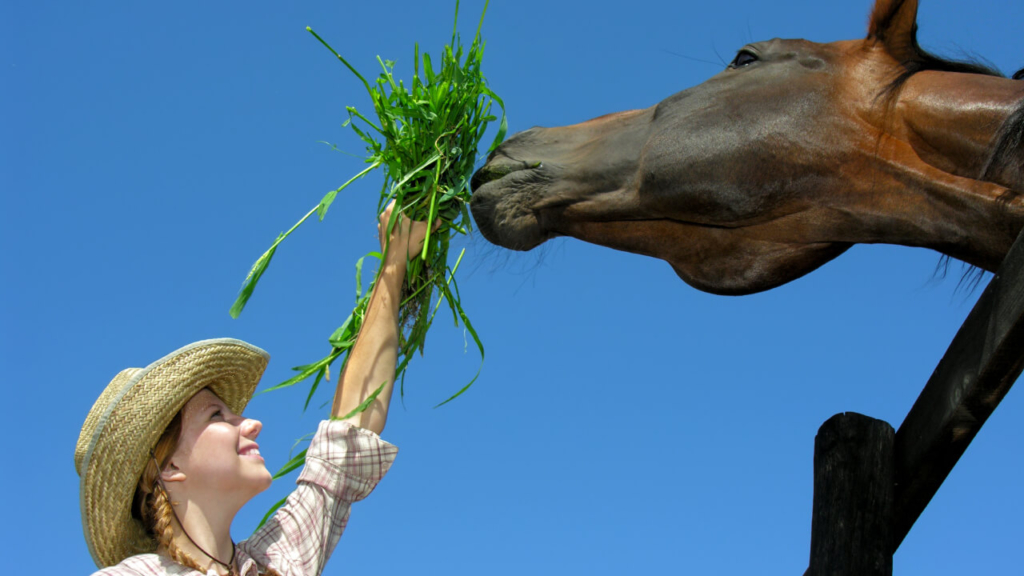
(252, 451)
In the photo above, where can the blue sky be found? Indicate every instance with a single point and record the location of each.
(623, 423)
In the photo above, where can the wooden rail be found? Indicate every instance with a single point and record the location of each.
(978, 369)
(981, 364)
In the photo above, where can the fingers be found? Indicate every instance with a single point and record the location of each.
(406, 232)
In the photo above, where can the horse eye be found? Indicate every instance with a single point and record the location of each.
(743, 58)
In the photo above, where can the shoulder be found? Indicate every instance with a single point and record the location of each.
(145, 565)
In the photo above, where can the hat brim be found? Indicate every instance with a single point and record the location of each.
(135, 418)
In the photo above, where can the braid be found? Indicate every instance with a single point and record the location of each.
(163, 529)
(152, 504)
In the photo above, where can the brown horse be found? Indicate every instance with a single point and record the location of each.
(780, 163)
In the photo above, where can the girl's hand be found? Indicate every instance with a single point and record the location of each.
(372, 360)
(406, 241)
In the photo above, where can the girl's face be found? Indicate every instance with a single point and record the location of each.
(217, 451)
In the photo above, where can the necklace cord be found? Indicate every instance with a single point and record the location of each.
(230, 565)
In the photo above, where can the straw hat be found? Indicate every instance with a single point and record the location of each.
(127, 420)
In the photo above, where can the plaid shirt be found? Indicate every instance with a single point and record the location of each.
(343, 465)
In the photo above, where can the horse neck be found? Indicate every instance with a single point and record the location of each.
(964, 160)
(957, 123)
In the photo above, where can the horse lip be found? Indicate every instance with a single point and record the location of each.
(502, 213)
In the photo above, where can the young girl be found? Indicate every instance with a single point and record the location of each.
(166, 460)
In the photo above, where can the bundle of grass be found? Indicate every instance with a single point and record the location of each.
(426, 139)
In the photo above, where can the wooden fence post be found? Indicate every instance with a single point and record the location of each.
(854, 493)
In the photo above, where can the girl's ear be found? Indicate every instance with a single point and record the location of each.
(172, 473)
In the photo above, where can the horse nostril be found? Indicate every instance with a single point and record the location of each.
(498, 170)
(490, 173)
(480, 177)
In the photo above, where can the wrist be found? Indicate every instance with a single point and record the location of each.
(393, 266)
(392, 274)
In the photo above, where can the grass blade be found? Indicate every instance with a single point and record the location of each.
(270, 512)
(325, 203)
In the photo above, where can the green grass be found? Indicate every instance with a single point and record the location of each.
(425, 138)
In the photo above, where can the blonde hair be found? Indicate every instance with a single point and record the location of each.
(152, 504)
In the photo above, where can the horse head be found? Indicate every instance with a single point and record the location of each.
(779, 163)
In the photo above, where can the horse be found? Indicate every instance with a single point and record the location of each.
(780, 163)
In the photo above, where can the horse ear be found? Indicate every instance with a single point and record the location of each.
(894, 24)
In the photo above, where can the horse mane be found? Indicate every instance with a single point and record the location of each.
(1009, 142)
(925, 61)
(1011, 135)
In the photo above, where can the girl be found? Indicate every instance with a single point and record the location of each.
(166, 460)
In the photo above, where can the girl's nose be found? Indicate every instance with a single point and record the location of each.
(251, 428)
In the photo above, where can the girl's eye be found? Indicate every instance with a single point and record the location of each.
(216, 413)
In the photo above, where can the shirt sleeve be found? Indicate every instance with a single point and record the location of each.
(344, 463)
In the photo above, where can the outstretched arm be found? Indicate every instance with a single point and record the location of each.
(371, 361)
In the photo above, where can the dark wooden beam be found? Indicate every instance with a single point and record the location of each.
(981, 364)
(851, 517)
